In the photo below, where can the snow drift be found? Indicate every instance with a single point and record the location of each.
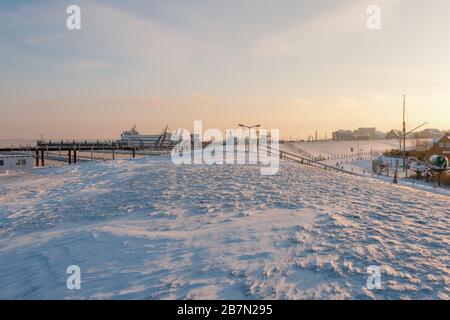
(148, 229)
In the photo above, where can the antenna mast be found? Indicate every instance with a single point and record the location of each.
(404, 132)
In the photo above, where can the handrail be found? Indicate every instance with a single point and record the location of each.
(307, 161)
(301, 151)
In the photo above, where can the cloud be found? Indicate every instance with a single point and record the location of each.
(88, 65)
(122, 32)
(329, 30)
(302, 102)
(107, 34)
(205, 99)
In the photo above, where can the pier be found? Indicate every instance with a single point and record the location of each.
(73, 148)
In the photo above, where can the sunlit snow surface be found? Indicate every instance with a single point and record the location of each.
(148, 229)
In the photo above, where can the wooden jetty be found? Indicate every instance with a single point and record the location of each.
(73, 147)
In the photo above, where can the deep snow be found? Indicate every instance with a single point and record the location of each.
(149, 229)
(336, 148)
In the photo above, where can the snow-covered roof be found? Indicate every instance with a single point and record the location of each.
(432, 131)
(15, 155)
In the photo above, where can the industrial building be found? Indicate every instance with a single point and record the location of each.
(343, 135)
(359, 134)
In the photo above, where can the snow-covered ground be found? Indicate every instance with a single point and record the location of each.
(344, 154)
(338, 154)
(149, 229)
(336, 148)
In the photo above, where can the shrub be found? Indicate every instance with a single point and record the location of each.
(445, 178)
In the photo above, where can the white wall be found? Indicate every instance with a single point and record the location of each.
(13, 163)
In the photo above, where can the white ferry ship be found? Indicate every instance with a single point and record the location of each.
(133, 138)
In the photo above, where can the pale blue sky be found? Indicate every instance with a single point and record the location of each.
(297, 65)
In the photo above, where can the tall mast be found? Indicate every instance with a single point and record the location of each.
(404, 132)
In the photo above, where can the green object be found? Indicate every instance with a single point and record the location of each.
(438, 162)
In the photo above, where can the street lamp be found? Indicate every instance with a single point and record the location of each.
(249, 128)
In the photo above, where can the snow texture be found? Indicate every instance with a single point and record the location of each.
(149, 229)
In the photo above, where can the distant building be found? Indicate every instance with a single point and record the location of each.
(431, 134)
(15, 162)
(343, 135)
(441, 147)
(359, 134)
(363, 138)
(366, 133)
(196, 140)
(394, 134)
(379, 135)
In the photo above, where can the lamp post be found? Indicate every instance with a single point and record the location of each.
(249, 128)
(358, 147)
(406, 133)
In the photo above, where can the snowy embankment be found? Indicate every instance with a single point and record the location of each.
(337, 148)
(362, 165)
(149, 229)
(344, 154)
